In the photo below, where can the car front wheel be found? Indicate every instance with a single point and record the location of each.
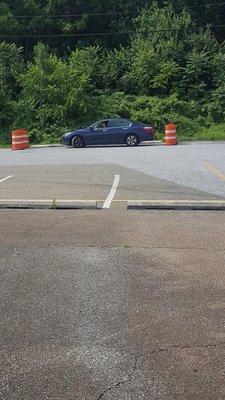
(77, 141)
(131, 140)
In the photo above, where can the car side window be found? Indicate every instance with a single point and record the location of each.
(101, 125)
(119, 123)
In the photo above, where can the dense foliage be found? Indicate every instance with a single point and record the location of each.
(166, 63)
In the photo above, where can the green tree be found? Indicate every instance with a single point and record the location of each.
(57, 94)
(166, 62)
(215, 108)
(11, 65)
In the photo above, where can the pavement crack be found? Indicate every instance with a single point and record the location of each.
(173, 347)
(122, 382)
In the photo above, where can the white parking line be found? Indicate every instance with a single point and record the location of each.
(112, 192)
(4, 179)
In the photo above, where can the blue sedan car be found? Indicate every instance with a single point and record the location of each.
(110, 131)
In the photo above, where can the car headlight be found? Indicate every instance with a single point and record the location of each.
(67, 134)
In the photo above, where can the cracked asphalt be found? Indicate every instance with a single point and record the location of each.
(112, 305)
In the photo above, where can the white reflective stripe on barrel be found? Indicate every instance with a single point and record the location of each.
(25, 141)
(19, 136)
(170, 137)
(20, 141)
(171, 131)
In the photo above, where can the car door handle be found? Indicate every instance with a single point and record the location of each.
(124, 129)
(104, 130)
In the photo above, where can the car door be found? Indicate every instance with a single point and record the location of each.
(100, 133)
(118, 130)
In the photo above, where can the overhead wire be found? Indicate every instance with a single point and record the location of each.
(108, 33)
(80, 15)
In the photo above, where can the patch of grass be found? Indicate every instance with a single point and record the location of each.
(213, 132)
(4, 145)
(210, 133)
(54, 204)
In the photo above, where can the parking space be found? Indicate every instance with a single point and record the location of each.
(91, 182)
(61, 182)
(190, 171)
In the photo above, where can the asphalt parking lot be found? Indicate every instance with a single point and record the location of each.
(112, 303)
(195, 165)
(82, 182)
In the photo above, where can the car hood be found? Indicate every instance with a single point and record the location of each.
(81, 130)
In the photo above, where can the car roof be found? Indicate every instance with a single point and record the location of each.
(113, 119)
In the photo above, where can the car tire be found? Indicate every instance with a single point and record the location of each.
(78, 141)
(131, 140)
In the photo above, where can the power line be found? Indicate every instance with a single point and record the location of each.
(109, 13)
(75, 15)
(207, 5)
(105, 33)
(66, 35)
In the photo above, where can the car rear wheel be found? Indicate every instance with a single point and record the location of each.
(77, 141)
(131, 140)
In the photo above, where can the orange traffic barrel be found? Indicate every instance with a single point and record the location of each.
(170, 134)
(20, 140)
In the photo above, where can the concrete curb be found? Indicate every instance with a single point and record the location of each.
(152, 143)
(45, 145)
(177, 205)
(189, 142)
(49, 204)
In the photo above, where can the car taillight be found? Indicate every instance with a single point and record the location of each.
(148, 129)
